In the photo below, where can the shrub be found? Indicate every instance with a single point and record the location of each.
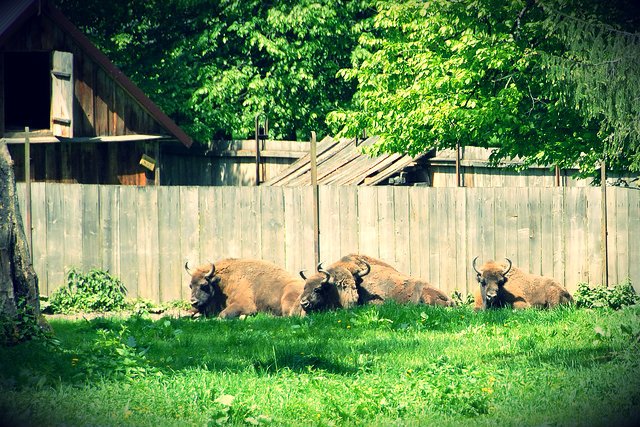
(96, 290)
(614, 297)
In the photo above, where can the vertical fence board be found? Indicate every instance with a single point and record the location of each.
(434, 229)
(401, 228)
(464, 277)
(368, 210)
(535, 226)
(55, 236)
(189, 240)
(128, 236)
(594, 235)
(209, 199)
(170, 262)
(147, 233)
(415, 233)
(39, 236)
(386, 231)
(272, 224)
(329, 223)
(293, 231)
(622, 235)
(348, 219)
(559, 247)
(110, 229)
(249, 227)
(546, 231)
(91, 233)
(634, 239)
(73, 223)
(523, 234)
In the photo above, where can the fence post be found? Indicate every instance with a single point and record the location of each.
(316, 202)
(603, 224)
(27, 182)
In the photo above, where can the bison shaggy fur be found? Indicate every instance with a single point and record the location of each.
(234, 287)
(502, 285)
(384, 283)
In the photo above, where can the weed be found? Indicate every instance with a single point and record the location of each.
(96, 290)
(613, 297)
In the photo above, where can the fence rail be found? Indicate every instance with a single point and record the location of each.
(144, 235)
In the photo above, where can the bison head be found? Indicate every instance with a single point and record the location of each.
(491, 277)
(203, 284)
(329, 289)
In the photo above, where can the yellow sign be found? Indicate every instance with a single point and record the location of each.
(148, 162)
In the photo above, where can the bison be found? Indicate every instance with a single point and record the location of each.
(384, 283)
(332, 288)
(234, 287)
(359, 279)
(502, 285)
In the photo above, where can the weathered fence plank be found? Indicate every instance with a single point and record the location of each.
(144, 235)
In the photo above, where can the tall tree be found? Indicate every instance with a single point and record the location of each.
(212, 65)
(19, 296)
(441, 73)
(598, 72)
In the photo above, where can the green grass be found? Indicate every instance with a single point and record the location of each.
(381, 366)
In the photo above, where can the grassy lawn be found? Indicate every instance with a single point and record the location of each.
(387, 365)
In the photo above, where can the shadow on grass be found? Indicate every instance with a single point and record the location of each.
(342, 342)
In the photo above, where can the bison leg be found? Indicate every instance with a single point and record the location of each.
(521, 304)
(236, 309)
(479, 303)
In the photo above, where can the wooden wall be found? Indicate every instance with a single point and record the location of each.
(101, 106)
(144, 235)
(90, 163)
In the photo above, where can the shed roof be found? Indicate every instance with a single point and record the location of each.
(14, 13)
(342, 162)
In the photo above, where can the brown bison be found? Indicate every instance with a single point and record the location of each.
(332, 288)
(502, 285)
(384, 283)
(234, 287)
(360, 279)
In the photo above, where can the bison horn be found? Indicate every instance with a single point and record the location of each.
(302, 275)
(210, 273)
(186, 267)
(327, 276)
(364, 271)
(508, 268)
(474, 266)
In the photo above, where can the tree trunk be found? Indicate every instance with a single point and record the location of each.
(19, 296)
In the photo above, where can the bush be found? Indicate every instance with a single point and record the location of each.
(614, 297)
(96, 290)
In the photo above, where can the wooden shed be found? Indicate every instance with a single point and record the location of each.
(88, 123)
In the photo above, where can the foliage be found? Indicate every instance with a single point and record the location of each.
(96, 290)
(25, 325)
(373, 365)
(441, 73)
(597, 71)
(214, 65)
(614, 297)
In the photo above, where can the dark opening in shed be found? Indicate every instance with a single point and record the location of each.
(27, 88)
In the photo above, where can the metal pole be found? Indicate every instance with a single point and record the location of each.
(316, 202)
(27, 181)
(603, 225)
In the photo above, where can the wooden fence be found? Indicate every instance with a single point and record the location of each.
(144, 235)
